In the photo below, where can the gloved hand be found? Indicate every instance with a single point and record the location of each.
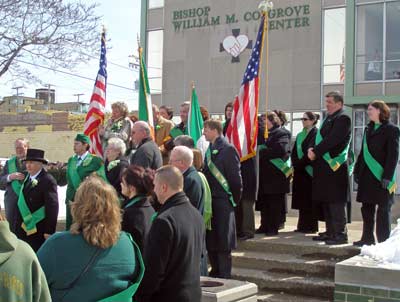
(385, 183)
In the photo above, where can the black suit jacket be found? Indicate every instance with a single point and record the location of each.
(172, 254)
(147, 155)
(193, 188)
(43, 194)
(114, 175)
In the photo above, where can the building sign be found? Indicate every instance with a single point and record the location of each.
(284, 18)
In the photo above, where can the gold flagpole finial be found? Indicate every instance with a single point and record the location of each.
(265, 6)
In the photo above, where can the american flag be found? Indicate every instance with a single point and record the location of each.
(342, 67)
(95, 115)
(243, 128)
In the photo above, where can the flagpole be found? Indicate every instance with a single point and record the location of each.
(265, 6)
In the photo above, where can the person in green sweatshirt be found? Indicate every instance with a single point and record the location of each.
(21, 276)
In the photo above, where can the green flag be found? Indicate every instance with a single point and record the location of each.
(145, 105)
(195, 119)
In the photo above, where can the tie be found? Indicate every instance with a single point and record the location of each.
(79, 161)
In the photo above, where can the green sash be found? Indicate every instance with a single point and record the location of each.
(29, 219)
(375, 167)
(134, 200)
(72, 174)
(284, 166)
(12, 168)
(334, 163)
(127, 294)
(207, 214)
(299, 141)
(175, 132)
(218, 175)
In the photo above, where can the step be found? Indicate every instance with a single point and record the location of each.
(286, 263)
(287, 283)
(272, 296)
(298, 244)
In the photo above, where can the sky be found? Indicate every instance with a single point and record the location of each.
(122, 21)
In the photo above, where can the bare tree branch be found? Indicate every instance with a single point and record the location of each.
(46, 31)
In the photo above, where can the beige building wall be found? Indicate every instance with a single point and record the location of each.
(57, 145)
(193, 54)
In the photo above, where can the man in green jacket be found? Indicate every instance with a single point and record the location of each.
(80, 166)
(21, 277)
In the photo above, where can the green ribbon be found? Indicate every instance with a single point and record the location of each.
(12, 168)
(134, 200)
(299, 141)
(207, 214)
(127, 294)
(336, 162)
(284, 166)
(219, 177)
(29, 219)
(375, 167)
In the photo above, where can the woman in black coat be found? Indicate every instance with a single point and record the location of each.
(115, 162)
(303, 172)
(273, 181)
(375, 173)
(137, 186)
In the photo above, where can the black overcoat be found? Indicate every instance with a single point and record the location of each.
(330, 186)
(193, 188)
(222, 237)
(383, 144)
(114, 175)
(302, 181)
(172, 254)
(249, 178)
(136, 220)
(42, 194)
(271, 179)
(147, 155)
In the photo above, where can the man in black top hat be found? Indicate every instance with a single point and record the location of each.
(37, 202)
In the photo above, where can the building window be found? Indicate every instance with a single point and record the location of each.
(156, 3)
(155, 60)
(334, 41)
(377, 42)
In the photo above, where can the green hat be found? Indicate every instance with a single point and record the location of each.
(82, 138)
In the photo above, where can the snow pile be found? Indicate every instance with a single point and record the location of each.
(386, 253)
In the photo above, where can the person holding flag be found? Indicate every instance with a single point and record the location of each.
(180, 129)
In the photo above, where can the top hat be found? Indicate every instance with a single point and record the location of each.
(35, 155)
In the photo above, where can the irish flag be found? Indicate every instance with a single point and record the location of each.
(195, 119)
(145, 105)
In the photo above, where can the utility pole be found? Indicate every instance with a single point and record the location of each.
(78, 96)
(17, 88)
(48, 95)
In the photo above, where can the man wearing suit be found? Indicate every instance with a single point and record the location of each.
(222, 170)
(330, 184)
(147, 154)
(11, 179)
(80, 166)
(37, 202)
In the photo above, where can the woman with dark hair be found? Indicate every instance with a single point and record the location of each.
(274, 176)
(166, 112)
(137, 186)
(228, 115)
(375, 173)
(303, 173)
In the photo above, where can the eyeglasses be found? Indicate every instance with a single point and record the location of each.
(305, 119)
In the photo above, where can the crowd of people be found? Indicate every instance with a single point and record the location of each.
(148, 219)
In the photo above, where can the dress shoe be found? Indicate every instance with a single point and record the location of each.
(321, 233)
(281, 226)
(270, 234)
(321, 237)
(336, 241)
(360, 243)
(244, 237)
(260, 231)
